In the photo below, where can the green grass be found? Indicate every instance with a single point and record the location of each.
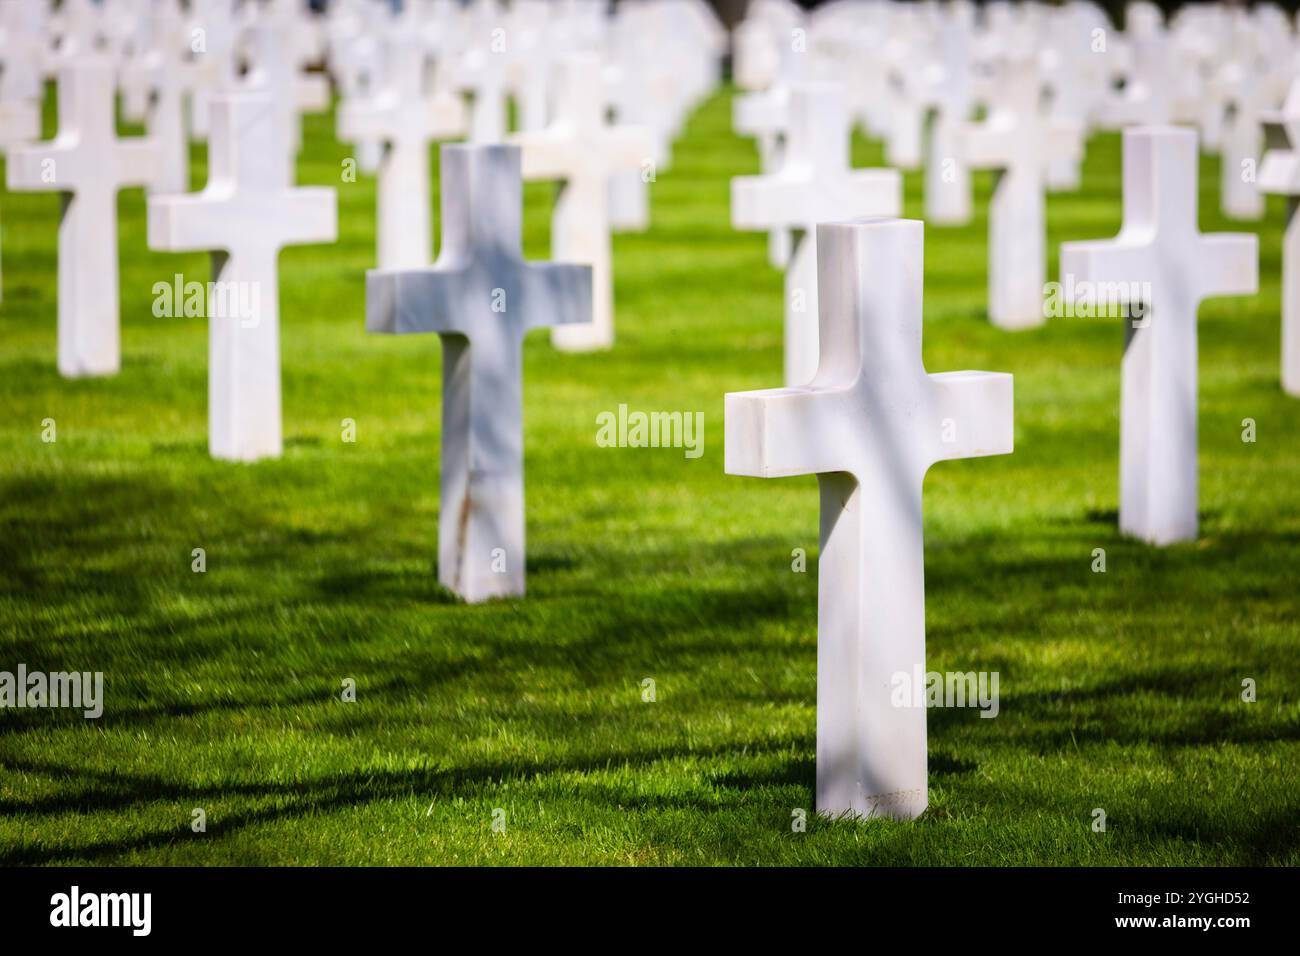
(1119, 690)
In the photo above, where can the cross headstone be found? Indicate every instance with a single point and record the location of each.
(1019, 143)
(277, 72)
(158, 72)
(1245, 94)
(356, 64)
(869, 425)
(20, 123)
(1146, 97)
(815, 184)
(1160, 266)
(88, 164)
(765, 116)
(1279, 174)
(583, 151)
(245, 216)
(406, 119)
(210, 63)
(481, 298)
(948, 83)
(482, 73)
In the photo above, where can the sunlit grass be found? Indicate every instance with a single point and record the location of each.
(1120, 691)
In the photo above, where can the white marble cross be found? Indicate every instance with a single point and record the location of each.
(406, 119)
(160, 75)
(209, 70)
(481, 298)
(88, 164)
(276, 72)
(869, 426)
(814, 184)
(1146, 97)
(764, 116)
(1245, 96)
(1160, 266)
(245, 216)
(1019, 143)
(947, 76)
(582, 150)
(483, 74)
(20, 123)
(1279, 174)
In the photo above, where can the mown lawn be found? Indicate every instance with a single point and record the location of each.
(1120, 691)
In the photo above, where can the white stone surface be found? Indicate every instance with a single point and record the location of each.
(276, 71)
(482, 73)
(1242, 143)
(406, 119)
(1279, 174)
(20, 118)
(1161, 264)
(869, 425)
(583, 151)
(245, 216)
(814, 184)
(88, 164)
(159, 74)
(1019, 143)
(481, 298)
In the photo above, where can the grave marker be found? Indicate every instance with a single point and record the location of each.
(583, 151)
(869, 425)
(245, 216)
(1161, 264)
(87, 164)
(481, 298)
(1279, 174)
(814, 184)
(406, 119)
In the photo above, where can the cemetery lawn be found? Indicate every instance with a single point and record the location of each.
(1120, 691)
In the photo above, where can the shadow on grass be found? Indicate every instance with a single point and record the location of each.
(604, 629)
(93, 791)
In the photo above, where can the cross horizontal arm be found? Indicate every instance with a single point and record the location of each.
(1279, 172)
(779, 432)
(404, 301)
(990, 146)
(139, 162)
(626, 147)
(29, 169)
(546, 156)
(765, 202)
(556, 293)
(312, 93)
(974, 414)
(1065, 140)
(1230, 265)
(360, 120)
(1129, 262)
(219, 219)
